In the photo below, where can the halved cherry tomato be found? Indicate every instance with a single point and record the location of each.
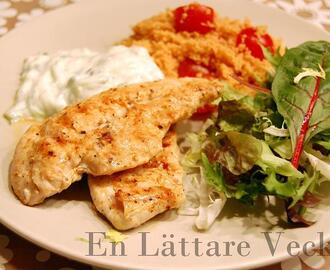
(205, 112)
(246, 32)
(189, 68)
(267, 42)
(253, 45)
(253, 42)
(194, 18)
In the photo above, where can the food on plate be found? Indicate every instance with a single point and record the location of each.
(193, 40)
(113, 131)
(274, 144)
(129, 198)
(50, 82)
(266, 135)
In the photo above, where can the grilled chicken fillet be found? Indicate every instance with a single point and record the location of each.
(116, 130)
(129, 198)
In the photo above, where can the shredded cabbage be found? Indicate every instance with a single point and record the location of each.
(191, 186)
(201, 201)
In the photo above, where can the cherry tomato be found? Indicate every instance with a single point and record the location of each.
(253, 42)
(194, 18)
(189, 68)
(246, 32)
(205, 112)
(253, 45)
(267, 42)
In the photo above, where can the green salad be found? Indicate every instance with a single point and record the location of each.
(276, 143)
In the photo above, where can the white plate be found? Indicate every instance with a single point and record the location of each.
(57, 223)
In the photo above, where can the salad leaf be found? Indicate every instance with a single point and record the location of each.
(235, 115)
(230, 93)
(204, 198)
(268, 161)
(323, 136)
(274, 165)
(246, 190)
(324, 144)
(305, 105)
(280, 146)
(250, 149)
(204, 194)
(273, 58)
(250, 186)
(213, 175)
(304, 186)
(115, 236)
(237, 152)
(274, 186)
(82, 239)
(192, 157)
(241, 110)
(319, 162)
(256, 182)
(323, 139)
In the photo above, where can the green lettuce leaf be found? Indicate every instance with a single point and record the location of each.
(275, 166)
(323, 139)
(280, 146)
(254, 168)
(237, 152)
(214, 176)
(269, 162)
(319, 162)
(294, 99)
(274, 59)
(235, 115)
(193, 156)
(304, 186)
(286, 189)
(324, 144)
(230, 93)
(246, 190)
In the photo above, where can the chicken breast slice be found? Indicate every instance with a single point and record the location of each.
(129, 198)
(116, 130)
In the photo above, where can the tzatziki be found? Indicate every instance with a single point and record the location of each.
(50, 82)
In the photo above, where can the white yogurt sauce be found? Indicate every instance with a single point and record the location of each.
(50, 82)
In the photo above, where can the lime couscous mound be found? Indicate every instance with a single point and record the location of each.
(216, 50)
